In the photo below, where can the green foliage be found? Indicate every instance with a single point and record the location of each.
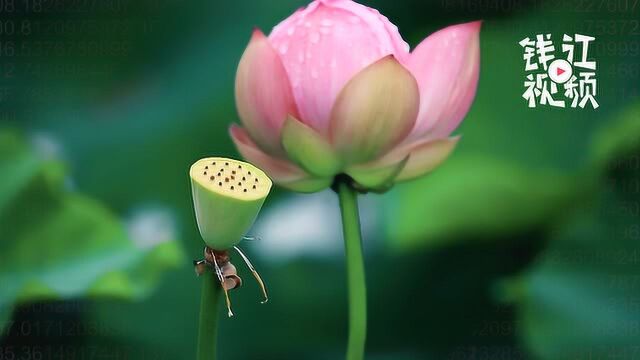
(58, 244)
(620, 138)
(580, 299)
(476, 197)
(153, 110)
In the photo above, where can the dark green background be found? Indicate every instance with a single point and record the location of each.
(524, 245)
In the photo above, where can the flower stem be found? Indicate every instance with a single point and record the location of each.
(207, 335)
(355, 271)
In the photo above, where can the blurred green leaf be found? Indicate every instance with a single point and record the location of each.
(476, 197)
(5, 316)
(580, 300)
(19, 167)
(59, 244)
(619, 138)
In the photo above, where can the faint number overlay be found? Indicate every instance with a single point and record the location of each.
(559, 77)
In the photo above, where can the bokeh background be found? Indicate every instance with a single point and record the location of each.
(524, 245)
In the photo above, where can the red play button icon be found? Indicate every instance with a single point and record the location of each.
(560, 71)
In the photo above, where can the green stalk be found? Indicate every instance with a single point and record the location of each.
(207, 335)
(355, 271)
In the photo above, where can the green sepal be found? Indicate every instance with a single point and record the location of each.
(308, 185)
(376, 178)
(309, 149)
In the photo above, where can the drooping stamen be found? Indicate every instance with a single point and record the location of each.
(255, 274)
(221, 279)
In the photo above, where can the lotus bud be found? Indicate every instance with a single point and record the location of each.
(335, 90)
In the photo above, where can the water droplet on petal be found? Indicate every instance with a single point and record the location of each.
(284, 48)
(291, 31)
(314, 38)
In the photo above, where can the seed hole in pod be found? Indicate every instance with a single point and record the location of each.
(245, 190)
(232, 188)
(256, 179)
(214, 163)
(226, 179)
(226, 164)
(212, 178)
(221, 170)
(244, 178)
(219, 174)
(249, 173)
(206, 167)
(205, 173)
(220, 183)
(233, 172)
(239, 166)
(239, 184)
(233, 177)
(254, 186)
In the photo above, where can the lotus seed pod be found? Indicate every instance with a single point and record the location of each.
(227, 196)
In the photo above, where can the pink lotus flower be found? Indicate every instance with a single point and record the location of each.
(335, 90)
